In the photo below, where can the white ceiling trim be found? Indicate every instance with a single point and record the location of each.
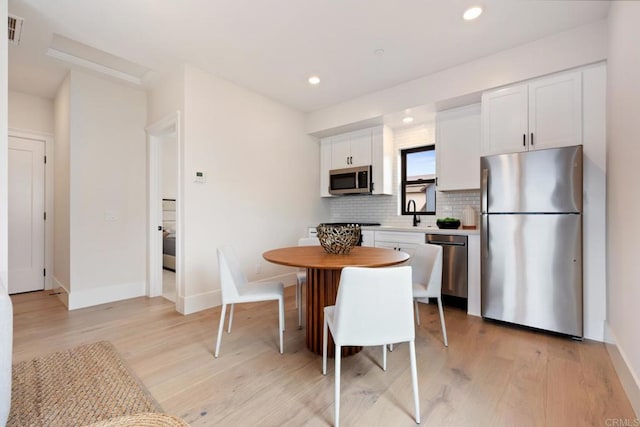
(81, 62)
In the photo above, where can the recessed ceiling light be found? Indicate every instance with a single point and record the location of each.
(378, 52)
(407, 119)
(472, 13)
(314, 80)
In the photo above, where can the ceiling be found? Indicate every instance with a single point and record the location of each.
(272, 47)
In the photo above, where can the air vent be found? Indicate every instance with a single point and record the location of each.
(15, 29)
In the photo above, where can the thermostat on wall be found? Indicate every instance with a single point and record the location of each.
(199, 177)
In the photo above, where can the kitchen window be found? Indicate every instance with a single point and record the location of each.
(418, 180)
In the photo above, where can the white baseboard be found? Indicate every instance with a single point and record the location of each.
(194, 303)
(61, 291)
(104, 294)
(629, 380)
(289, 279)
(199, 302)
(48, 283)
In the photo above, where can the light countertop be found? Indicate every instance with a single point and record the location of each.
(424, 229)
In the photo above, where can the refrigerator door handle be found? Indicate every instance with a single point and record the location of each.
(485, 190)
(484, 238)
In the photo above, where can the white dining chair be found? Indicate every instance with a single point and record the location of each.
(235, 289)
(301, 276)
(427, 279)
(373, 308)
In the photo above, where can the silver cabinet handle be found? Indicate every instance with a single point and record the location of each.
(437, 242)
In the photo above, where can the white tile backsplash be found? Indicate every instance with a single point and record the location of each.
(386, 209)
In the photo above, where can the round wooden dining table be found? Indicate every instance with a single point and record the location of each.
(323, 278)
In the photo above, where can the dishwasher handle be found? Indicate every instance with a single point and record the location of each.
(441, 243)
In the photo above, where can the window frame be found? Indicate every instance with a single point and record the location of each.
(404, 182)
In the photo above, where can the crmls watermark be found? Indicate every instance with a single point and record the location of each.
(622, 422)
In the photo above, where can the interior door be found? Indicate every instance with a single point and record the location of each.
(26, 215)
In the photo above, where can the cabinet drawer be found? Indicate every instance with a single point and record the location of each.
(399, 237)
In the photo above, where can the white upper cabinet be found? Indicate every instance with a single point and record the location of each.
(504, 120)
(458, 138)
(352, 149)
(542, 113)
(325, 166)
(555, 111)
(372, 146)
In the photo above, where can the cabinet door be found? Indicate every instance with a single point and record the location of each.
(555, 111)
(368, 238)
(504, 120)
(409, 248)
(340, 152)
(458, 148)
(400, 237)
(360, 149)
(382, 158)
(388, 245)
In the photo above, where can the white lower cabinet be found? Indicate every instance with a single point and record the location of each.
(407, 242)
(399, 241)
(367, 238)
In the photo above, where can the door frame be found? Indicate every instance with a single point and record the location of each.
(169, 125)
(48, 141)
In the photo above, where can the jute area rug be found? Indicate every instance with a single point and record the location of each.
(81, 386)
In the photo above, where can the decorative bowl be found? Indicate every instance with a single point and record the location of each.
(338, 239)
(448, 223)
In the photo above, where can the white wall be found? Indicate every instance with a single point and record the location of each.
(623, 204)
(4, 195)
(580, 46)
(107, 191)
(61, 196)
(262, 173)
(6, 329)
(165, 95)
(30, 112)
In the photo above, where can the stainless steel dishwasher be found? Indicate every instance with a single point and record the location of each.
(454, 263)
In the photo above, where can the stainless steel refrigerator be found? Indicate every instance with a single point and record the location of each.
(531, 237)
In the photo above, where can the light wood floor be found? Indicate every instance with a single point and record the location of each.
(490, 375)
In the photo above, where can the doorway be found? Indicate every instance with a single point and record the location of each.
(27, 214)
(165, 201)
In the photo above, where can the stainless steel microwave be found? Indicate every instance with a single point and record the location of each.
(355, 180)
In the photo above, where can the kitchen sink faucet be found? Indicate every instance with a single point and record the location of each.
(416, 220)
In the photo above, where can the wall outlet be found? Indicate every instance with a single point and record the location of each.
(258, 268)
